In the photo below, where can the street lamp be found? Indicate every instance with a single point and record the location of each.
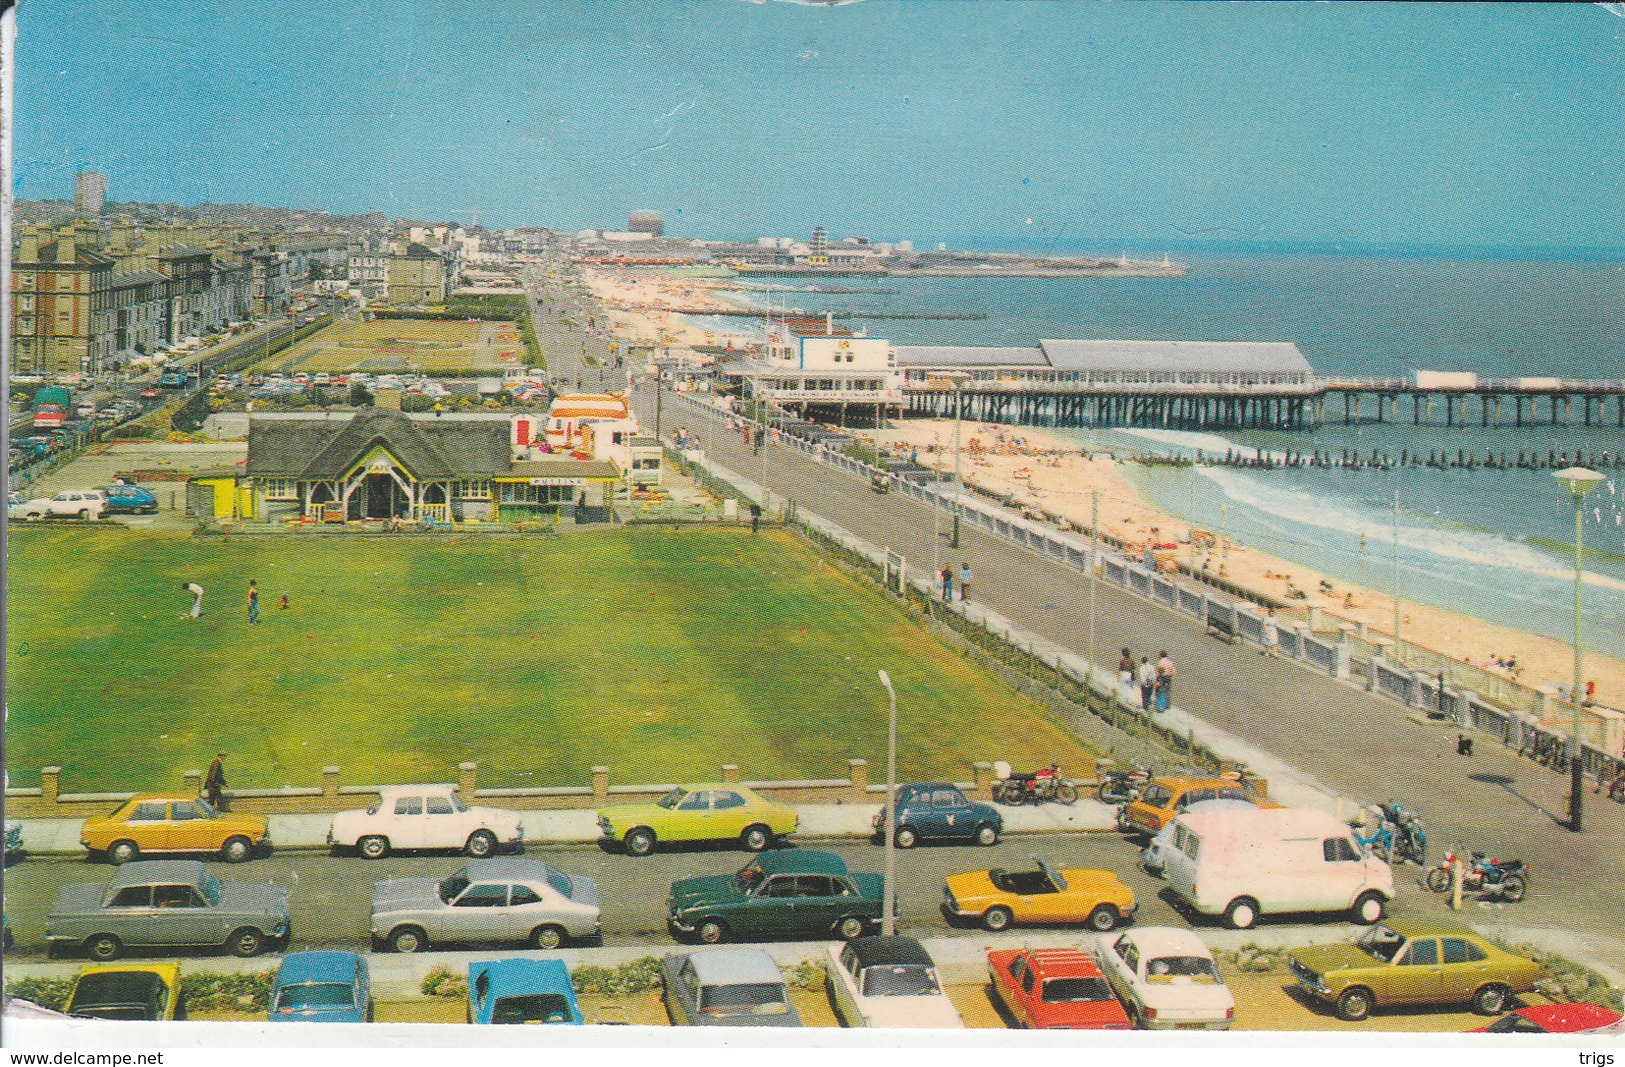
(888, 920)
(954, 540)
(1578, 481)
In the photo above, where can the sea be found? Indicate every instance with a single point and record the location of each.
(1495, 544)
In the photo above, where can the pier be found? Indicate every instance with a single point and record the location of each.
(1515, 402)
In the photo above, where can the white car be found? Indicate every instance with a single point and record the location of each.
(425, 816)
(888, 982)
(1166, 979)
(68, 504)
(1154, 856)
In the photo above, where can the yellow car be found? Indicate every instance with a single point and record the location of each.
(711, 811)
(997, 898)
(149, 992)
(1165, 798)
(157, 822)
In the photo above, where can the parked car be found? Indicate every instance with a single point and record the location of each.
(706, 812)
(888, 982)
(1165, 798)
(1166, 979)
(14, 840)
(937, 811)
(140, 992)
(1246, 864)
(522, 992)
(321, 987)
(998, 897)
(518, 900)
(68, 504)
(1054, 989)
(1554, 1019)
(129, 500)
(777, 894)
(1153, 857)
(172, 903)
(425, 816)
(163, 822)
(726, 987)
(1412, 963)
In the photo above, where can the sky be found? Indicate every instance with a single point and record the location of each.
(1004, 124)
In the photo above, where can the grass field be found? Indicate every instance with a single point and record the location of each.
(419, 346)
(660, 653)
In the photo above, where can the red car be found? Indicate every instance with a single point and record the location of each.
(1054, 989)
(1553, 1019)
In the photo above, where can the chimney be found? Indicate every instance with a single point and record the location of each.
(29, 251)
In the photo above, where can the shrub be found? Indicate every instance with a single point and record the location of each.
(637, 976)
(50, 993)
(210, 991)
(442, 981)
(808, 974)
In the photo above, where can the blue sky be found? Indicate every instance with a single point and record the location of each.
(997, 123)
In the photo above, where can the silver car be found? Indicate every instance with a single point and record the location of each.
(488, 900)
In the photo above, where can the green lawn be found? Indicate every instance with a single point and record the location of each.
(660, 653)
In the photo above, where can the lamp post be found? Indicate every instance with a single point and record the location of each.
(1578, 481)
(1094, 534)
(953, 539)
(1396, 577)
(888, 920)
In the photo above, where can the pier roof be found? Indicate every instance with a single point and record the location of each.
(1250, 357)
(968, 356)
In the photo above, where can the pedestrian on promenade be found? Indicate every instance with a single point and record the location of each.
(947, 577)
(253, 602)
(964, 582)
(1125, 669)
(1148, 682)
(214, 783)
(755, 517)
(197, 598)
(761, 435)
(1165, 680)
(1272, 635)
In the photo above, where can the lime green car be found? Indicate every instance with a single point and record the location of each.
(710, 811)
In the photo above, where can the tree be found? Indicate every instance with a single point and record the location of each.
(359, 396)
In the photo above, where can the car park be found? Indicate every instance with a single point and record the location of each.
(998, 898)
(1165, 798)
(938, 811)
(425, 816)
(726, 987)
(1054, 989)
(68, 504)
(487, 900)
(167, 903)
(136, 992)
(1404, 963)
(718, 811)
(162, 822)
(888, 982)
(1555, 1019)
(792, 892)
(522, 992)
(321, 987)
(1166, 979)
(129, 500)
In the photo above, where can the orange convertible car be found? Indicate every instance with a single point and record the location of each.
(998, 897)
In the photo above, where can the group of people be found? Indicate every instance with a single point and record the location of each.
(946, 576)
(253, 601)
(1155, 680)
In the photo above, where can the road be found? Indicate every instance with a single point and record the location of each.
(332, 894)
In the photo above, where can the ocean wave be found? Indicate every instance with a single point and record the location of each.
(1191, 442)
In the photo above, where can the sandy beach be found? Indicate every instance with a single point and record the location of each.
(1047, 473)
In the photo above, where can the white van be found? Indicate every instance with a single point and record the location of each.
(1245, 863)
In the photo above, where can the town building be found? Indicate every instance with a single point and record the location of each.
(649, 222)
(417, 275)
(61, 303)
(89, 193)
(819, 369)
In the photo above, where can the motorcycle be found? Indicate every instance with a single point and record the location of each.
(1036, 788)
(1399, 836)
(1507, 879)
(1123, 787)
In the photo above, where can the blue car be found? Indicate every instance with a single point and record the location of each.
(938, 811)
(321, 987)
(129, 500)
(522, 991)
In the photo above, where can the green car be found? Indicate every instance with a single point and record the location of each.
(792, 892)
(1412, 963)
(713, 811)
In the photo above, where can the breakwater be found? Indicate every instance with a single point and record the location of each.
(1377, 459)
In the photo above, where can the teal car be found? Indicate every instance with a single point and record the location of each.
(713, 811)
(789, 893)
(521, 992)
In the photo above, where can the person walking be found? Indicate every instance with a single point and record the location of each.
(1148, 682)
(1125, 676)
(253, 602)
(964, 582)
(947, 577)
(214, 783)
(1272, 635)
(755, 517)
(1165, 680)
(197, 598)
